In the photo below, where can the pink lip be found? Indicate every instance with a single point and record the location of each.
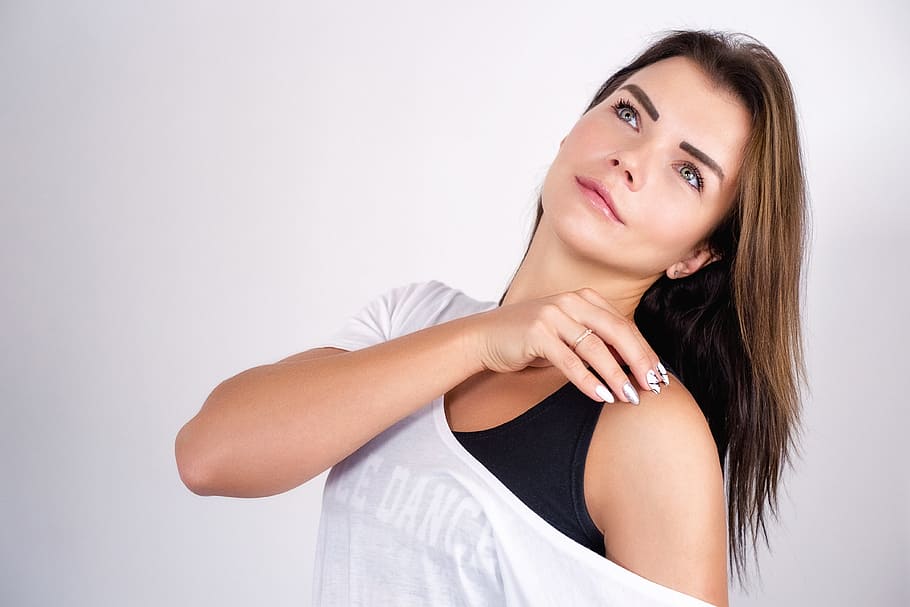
(599, 196)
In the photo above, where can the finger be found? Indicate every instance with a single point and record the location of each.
(593, 349)
(622, 336)
(573, 367)
(568, 331)
(598, 300)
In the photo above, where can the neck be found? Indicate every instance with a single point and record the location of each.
(550, 268)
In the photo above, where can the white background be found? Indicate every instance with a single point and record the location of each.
(190, 189)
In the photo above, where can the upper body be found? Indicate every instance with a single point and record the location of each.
(653, 483)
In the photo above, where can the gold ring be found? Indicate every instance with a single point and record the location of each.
(581, 337)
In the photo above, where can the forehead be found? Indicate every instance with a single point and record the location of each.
(672, 68)
(691, 108)
(678, 84)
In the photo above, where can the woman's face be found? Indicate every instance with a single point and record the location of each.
(658, 145)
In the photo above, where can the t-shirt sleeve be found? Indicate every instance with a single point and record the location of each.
(375, 322)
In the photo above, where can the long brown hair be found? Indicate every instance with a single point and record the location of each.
(732, 330)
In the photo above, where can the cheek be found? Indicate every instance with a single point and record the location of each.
(592, 133)
(675, 232)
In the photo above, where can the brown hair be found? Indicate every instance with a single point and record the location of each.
(732, 330)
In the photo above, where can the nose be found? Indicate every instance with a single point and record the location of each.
(628, 165)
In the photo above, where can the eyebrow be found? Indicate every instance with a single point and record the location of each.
(642, 99)
(685, 146)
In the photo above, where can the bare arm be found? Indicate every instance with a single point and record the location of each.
(658, 494)
(274, 427)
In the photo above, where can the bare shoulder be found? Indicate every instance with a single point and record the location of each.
(665, 428)
(654, 486)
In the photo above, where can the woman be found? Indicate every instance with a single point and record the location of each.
(466, 469)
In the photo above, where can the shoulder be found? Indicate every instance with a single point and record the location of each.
(412, 306)
(663, 428)
(419, 292)
(401, 302)
(657, 492)
(414, 291)
(432, 301)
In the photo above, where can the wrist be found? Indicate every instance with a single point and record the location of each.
(469, 344)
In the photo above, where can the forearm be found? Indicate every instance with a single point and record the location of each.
(273, 427)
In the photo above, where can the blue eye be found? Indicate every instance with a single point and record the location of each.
(626, 112)
(623, 108)
(695, 174)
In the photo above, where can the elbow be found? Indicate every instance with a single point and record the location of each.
(191, 464)
(195, 449)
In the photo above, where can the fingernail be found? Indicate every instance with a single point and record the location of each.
(630, 393)
(652, 382)
(604, 393)
(663, 373)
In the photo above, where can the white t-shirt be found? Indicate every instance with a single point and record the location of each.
(413, 519)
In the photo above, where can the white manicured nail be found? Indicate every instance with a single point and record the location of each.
(663, 373)
(652, 382)
(604, 393)
(631, 393)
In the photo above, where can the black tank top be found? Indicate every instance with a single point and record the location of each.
(540, 456)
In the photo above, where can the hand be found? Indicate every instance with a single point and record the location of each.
(541, 333)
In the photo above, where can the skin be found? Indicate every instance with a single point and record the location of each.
(653, 482)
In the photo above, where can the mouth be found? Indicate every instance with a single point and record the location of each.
(599, 196)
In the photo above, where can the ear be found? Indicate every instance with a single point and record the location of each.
(701, 256)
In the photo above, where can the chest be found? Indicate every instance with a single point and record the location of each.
(486, 400)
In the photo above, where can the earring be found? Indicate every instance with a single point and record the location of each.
(676, 273)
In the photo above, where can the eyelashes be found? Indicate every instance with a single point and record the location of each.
(623, 105)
